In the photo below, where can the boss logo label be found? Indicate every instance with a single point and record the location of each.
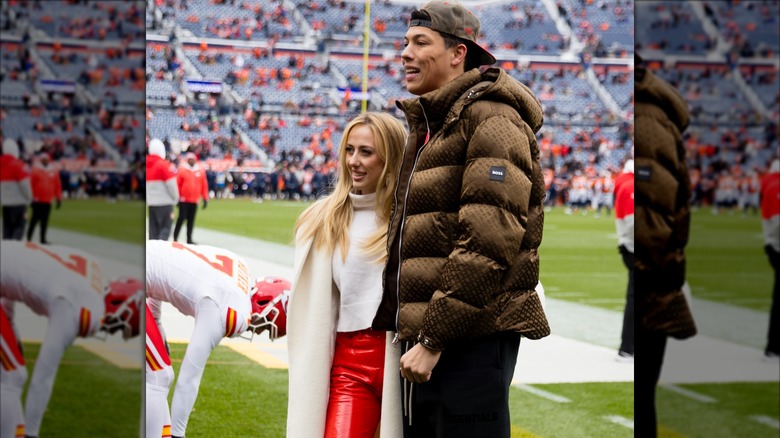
(497, 173)
(643, 173)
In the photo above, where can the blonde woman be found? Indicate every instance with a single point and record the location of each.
(344, 376)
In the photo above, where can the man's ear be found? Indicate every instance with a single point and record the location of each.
(459, 55)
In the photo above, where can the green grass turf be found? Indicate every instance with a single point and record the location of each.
(582, 417)
(580, 262)
(729, 416)
(91, 397)
(240, 398)
(726, 260)
(579, 257)
(272, 220)
(237, 397)
(121, 220)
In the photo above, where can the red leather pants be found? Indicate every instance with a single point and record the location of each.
(355, 400)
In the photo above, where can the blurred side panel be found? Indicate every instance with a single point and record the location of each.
(708, 104)
(72, 126)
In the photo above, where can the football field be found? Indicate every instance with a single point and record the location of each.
(713, 385)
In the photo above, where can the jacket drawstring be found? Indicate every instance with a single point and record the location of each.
(408, 399)
(411, 389)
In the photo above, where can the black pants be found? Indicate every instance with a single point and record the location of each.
(187, 212)
(14, 220)
(647, 371)
(40, 213)
(773, 342)
(160, 221)
(627, 336)
(468, 394)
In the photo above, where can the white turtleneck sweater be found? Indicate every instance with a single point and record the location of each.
(358, 278)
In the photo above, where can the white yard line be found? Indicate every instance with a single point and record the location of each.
(544, 394)
(769, 421)
(690, 394)
(622, 421)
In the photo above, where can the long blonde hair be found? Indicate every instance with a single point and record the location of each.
(327, 221)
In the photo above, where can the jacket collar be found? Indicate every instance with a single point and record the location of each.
(444, 105)
(194, 168)
(438, 103)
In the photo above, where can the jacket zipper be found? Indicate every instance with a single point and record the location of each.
(403, 222)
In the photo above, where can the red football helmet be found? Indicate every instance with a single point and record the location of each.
(269, 306)
(124, 297)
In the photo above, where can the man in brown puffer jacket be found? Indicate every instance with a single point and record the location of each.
(464, 234)
(662, 220)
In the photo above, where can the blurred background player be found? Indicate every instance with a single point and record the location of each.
(75, 307)
(46, 187)
(268, 313)
(213, 286)
(191, 181)
(770, 215)
(624, 222)
(15, 191)
(162, 192)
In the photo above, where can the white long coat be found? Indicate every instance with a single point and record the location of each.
(311, 332)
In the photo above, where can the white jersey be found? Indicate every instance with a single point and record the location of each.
(37, 275)
(183, 275)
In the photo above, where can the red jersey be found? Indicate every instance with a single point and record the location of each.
(192, 184)
(770, 196)
(46, 184)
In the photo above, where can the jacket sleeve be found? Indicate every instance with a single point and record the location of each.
(26, 188)
(495, 193)
(172, 185)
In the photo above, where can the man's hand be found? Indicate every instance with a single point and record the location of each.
(205, 203)
(417, 364)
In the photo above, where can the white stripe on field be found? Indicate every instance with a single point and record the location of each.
(570, 294)
(571, 274)
(544, 394)
(690, 394)
(769, 421)
(766, 300)
(623, 421)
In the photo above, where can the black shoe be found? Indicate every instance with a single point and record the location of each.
(771, 356)
(625, 357)
(191, 242)
(45, 242)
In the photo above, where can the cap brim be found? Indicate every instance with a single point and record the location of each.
(482, 56)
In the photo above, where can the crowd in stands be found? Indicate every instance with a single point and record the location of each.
(604, 27)
(749, 26)
(671, 27)
(89, 123)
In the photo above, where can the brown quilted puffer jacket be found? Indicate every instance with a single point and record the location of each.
(468, 215)
(662, 206)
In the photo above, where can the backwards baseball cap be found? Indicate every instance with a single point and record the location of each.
(629, 166)
(10, 147)
(156, 147)
(454, 19)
